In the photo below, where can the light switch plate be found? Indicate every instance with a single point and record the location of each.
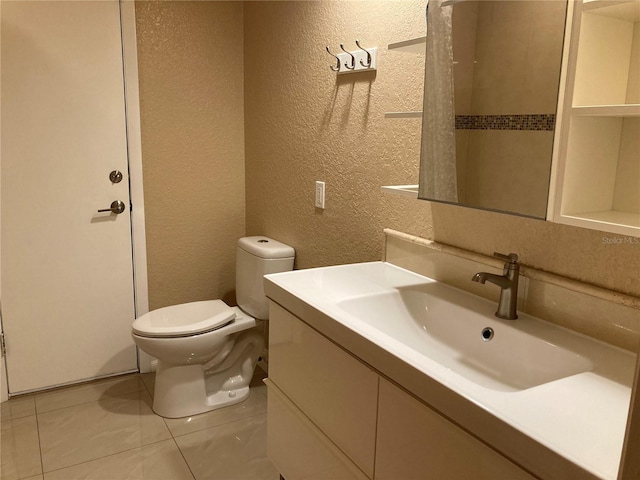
(319, 194)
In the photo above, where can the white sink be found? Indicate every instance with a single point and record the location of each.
(460, 332)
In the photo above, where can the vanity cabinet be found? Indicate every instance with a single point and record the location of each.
(298, 448)
(330, 416)
(413, 441)
(598, 171)
(336, 392)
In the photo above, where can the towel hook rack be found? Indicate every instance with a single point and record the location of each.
(337, 67)
(368, 64)
(358, 60)
(353, 59)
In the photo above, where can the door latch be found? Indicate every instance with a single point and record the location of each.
(117, 207)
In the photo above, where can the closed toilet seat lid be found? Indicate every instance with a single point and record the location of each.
(184, 319)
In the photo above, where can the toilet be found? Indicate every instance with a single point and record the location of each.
(207, 351)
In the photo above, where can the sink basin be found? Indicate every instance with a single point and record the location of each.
(460, 332)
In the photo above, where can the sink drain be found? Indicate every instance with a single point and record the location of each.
(487, 334)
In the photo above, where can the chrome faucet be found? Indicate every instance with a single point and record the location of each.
(508, 283)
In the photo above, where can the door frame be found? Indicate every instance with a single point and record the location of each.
(134, 151)
(4, 387)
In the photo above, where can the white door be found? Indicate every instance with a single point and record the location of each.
(67, 275)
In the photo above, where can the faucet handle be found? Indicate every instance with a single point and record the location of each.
(511, 258)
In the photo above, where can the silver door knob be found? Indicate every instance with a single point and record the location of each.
(117, 207)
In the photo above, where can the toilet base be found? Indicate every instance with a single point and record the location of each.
(186, 390)
(229, 397)
(179, 392)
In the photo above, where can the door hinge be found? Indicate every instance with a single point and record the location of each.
(3, 345)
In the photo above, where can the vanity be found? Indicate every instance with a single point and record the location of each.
(381, 373)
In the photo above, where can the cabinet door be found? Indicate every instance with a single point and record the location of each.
(415, 442)
(333, 389)
(298, 449)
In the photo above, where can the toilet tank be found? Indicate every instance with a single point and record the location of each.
(256, 257)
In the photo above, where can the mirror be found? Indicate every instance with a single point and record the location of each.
(491, 91)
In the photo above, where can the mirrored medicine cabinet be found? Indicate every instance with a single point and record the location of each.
(541, 114)
(504, 59)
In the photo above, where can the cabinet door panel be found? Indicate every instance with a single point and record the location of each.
(333, 389)
(298, 449)
(415, 442)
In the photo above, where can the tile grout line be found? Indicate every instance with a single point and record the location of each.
(105, 456)
(182, 455)
(37, 414)
(144, 388)
(147, 388)
(88, 401)
(216, 425)
(35, 408)
(173, 437)
(10, 416)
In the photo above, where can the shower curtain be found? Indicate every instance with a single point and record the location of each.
(438, 179)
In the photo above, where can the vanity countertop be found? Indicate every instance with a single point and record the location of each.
(572, 427)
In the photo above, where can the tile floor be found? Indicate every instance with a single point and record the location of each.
(106, 430)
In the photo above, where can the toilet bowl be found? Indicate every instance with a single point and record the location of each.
(207, 351)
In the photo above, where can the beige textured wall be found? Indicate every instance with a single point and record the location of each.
(191, 78)
(605, 259)
(303, 124)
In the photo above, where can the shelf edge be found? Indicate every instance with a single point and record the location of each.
(403, 115)
(410, 191)
(632, 110)
(413, 45)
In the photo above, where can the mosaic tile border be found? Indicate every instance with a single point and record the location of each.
(538, 122)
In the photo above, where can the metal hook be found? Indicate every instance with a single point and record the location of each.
(368, 64)
(337, 67)
(353, 59)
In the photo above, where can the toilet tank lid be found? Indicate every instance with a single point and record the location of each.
(265, 247)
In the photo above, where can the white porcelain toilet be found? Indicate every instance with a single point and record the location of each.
(207, 351)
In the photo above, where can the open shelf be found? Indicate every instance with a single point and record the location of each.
(416, 46)
(612, 217)
(624, 223)
(608, 56)
(602, 174)
(403, 115)
(600, 179)
(404, 190)
(413, 45)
